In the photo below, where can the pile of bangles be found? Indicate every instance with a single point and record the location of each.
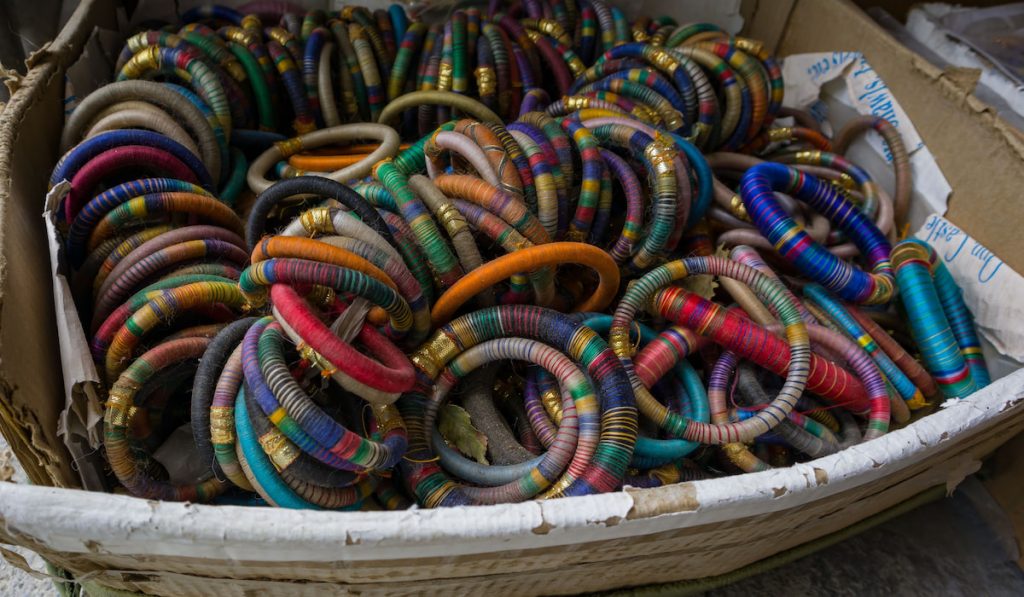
(517, 251)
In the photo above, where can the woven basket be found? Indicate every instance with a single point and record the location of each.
(704, 531)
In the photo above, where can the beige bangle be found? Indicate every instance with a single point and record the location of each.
(325, 87)
(134, 114)
(387, 136)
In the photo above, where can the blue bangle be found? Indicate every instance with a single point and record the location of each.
(80, 154)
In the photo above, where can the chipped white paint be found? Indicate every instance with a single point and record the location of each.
(80, 522)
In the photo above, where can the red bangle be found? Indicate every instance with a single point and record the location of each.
(121, 158)
(376, 381)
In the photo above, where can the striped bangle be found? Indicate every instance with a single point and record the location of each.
(939, 320)
(757, 190)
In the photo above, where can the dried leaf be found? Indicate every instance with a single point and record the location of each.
(457, 429)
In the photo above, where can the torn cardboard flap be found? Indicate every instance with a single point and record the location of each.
(82, 417)
(844, 85)
(806, 74)
(991, 288)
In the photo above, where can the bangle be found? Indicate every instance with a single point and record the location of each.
(656, 157)
(865, 369)
(898, 150)
(302, 272)
(325, 86)
(351, 77)
(384, 25)
(187, 66)
(412, 41)
(211, 119)
(451, 219)
(94, 211)
(842, 318)
(332, 221)
(125, 157)
(212, 362)
(104, 332)
(138, 115)
(529, 259)
(554, 164)
(579, 343)
(619, 59)
(423, 226)
(691, 159)
(849, 282)
(643, 291)
(462, 145)
(399, 21)
(378, 382)
(389, 142)
(180, 108)
(289, 73)
(939, 321)
(222, 418)
(350, 447)
(583, 427)
(157, 260)
(545, 188)
(494, 200)
(589, 152)
(505, 156)
(756, 84)
(500, 232)
(118, 416)
(258, 81)
(462, 103)
(908, 364)
(261, 468)
(315, 42)
(107, 255)
(94, 146)
(718, 388)
(162, 309)
(362, 257)
(361, 44)
(295, 450)
(735, 115)
(655, 452)
(634, 195)
(145, 206)
(314, 185)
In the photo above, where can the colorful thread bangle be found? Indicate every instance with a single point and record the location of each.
(529, 259)
(757, 190)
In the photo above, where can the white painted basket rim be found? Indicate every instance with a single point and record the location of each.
(73, 521)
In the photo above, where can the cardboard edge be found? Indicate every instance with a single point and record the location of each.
(43, 464)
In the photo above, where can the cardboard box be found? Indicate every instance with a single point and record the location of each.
(635, 537)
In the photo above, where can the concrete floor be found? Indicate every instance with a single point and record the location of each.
(955, 546)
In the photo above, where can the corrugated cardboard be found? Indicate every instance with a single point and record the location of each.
(685, 531)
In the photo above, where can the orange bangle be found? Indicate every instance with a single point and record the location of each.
(335, 158)
(526, 260)
(299, 247)
(496, 201)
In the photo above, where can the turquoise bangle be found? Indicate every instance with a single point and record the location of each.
(848, 325)
(277, 491)
(939, 320)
